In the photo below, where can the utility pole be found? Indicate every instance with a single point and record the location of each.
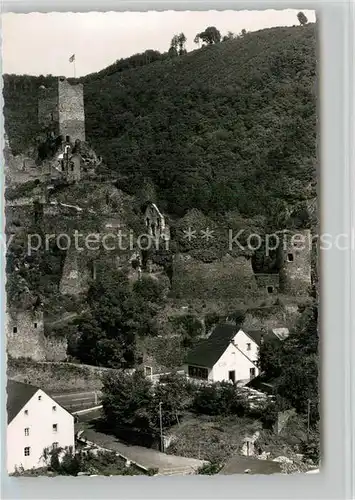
(161, 428)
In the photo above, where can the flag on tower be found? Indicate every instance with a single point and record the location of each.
(72, 58)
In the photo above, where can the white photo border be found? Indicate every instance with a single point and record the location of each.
(337, 215)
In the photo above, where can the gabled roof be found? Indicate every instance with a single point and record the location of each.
(255, 335)
(259, 335)
(18, 395)
(208, 351)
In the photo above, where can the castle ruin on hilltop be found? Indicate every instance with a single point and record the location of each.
(67, 157)
(61, 115)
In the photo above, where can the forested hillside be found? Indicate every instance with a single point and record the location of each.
(230, 126)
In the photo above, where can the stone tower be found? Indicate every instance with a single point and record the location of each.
(295, 271)
(61, 110)
(25, 335)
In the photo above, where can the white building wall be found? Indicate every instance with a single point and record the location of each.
(242, 340)
(235, 360)
(40, 419)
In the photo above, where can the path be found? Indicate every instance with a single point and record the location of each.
(74, 401)
(64, 319)
(148, 458)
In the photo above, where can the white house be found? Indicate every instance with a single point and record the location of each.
(34, 422)
(229, 353)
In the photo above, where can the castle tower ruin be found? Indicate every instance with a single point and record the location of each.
(295, 272)
(61, 110)
(25, 335)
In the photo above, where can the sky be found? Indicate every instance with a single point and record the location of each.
(38, 43)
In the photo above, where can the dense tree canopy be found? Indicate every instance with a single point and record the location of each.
(293, 365)
(231, 126)
(132, 400)
(210, 35)
(118, 315)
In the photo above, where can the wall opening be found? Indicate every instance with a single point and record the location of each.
(231, 376)
(290, 257)
(270, 289)
(14, 329)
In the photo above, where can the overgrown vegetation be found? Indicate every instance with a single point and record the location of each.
(118, 314)
(64, 462)
(231, 126)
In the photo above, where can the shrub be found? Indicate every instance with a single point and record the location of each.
(221, 398)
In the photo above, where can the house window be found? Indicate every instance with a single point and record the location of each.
(27, 451)
(270, 289)
(231, 376)
(55, 427)
(54, 408)
(26, 412)
(290, 257)
(196, 372)
(14, 330)
(27, 431)
(67, 138)
(252, 372)
(248, 347)
(35, 325)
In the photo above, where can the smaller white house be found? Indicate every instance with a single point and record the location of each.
(229, 353)
(35, 421)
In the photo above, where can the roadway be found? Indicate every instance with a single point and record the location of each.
(78, 400)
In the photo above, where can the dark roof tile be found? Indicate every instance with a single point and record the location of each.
(18, 395)
(208, 351)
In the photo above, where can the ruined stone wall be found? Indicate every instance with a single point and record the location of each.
(74, 171)
(295, 273)
(268, 283)
(71, 110)
(26, 201)
(56, 376)
(56, 349)
(229, 277)
(25, 335)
